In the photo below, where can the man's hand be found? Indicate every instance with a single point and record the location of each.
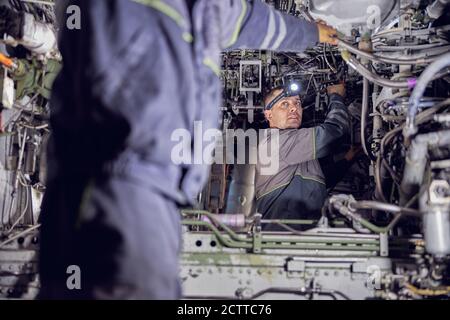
(337, 88)
(327, 34)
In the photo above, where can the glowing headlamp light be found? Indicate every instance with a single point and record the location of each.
(290, 90)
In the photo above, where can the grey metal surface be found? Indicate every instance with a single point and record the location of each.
(209, 270)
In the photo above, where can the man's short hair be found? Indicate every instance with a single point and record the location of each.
(270, 95)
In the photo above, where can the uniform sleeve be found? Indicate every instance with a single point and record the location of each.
(303, 145)
(252, 24)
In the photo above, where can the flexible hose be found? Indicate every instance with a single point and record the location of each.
(371, 56)
(373, 77)
(419, 89)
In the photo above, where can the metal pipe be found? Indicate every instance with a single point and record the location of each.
(364, 204)
(419, 89)
(436, 228)
(421, 118)
(437, 8)
(242, 189)
(368, 55)
(366, 73)
(236, 238)
(288, 221)
(303, 244)
(364, 111)
(416, 161)
(346, 204)
(377, 122)
(231, 220)
(302, 291)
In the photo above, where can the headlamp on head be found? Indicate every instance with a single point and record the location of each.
(291, 89)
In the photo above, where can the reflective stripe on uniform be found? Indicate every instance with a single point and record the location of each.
(212, 65)
(287, 183)
(170, 12)
(272, 190)
(310, 178)
(270, 31)
(237, 29)
(282, 32)
(314, 142)
(188, 37)
(84, 202)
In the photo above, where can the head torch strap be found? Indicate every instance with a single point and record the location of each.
(277, 98)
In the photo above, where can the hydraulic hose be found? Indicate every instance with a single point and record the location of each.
(345, 45)
(366, 73)
(428, 75)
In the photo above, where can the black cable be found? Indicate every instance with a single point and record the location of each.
(306, 291)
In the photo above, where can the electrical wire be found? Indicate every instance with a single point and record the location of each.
(303, 291)
(24, 211)
(373, 77)
(333, 69)
(20, 234)
(376, 205)
(364, 110)
(427, 76)
(428, 292)
(345, 45)
(350, 211)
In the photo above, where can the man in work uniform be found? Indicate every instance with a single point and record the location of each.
(135, 72)
(297, 190)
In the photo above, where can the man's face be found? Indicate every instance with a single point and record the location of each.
(286, 113)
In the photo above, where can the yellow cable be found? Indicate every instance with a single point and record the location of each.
(428, 292)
